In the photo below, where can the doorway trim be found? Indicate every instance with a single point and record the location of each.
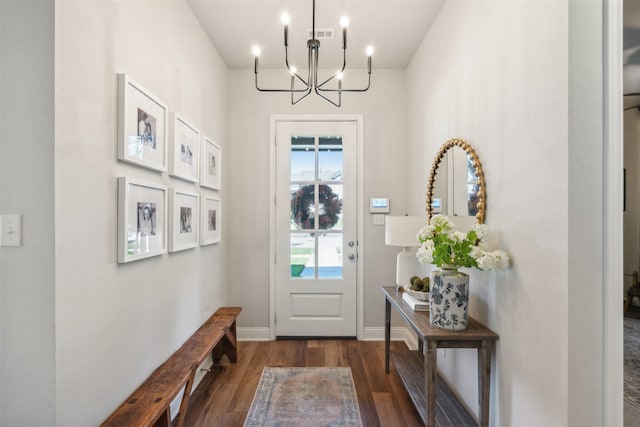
(359, 119)
(613, 405)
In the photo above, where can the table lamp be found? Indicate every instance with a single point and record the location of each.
(402, 231)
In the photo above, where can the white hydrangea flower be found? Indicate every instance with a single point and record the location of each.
(441, 221)
(426, 233)
(476, 252)
(425, 253)
(503, 259)
(458, 236)
(482, 231)
(493, 260)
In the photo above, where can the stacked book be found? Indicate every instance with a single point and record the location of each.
(415, 303)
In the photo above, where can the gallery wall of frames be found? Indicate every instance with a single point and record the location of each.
(154, 218)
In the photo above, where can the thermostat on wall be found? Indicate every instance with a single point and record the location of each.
(436, 205)
(379, 205)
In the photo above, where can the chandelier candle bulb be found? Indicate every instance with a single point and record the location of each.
(286, 20)
(344, 23)
(256, 53)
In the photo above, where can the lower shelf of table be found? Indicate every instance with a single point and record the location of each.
(449, 410)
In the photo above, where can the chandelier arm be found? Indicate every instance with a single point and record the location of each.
(344, 65)
(329, 100)
(346, 90)
(294, 102)
(313, 66)
(280, 90)
(286, 61)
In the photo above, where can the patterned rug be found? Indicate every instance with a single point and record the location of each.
(632, 360)
(312, 397)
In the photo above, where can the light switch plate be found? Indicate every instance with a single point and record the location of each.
(10, 230)
(378, 219)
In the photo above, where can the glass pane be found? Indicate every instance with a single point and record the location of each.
(303, 208)
(303, 158)
(330, 158)
(330, 256)
(302, 256)
(471, 171)
(472, 200)
(330, 207)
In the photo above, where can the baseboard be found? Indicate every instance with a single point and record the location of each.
(400, 333)
(253, 334)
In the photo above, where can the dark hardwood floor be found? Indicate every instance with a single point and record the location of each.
(225, 394)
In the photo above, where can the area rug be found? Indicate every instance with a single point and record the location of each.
(632, 360)
(312, 397)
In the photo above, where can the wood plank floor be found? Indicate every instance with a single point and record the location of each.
(225, 394)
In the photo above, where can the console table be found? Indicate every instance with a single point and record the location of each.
(418, 372)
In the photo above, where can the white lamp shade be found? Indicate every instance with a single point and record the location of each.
(402, 230)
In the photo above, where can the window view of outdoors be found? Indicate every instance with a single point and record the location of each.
(316, 207)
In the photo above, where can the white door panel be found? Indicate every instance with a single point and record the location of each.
(316, 249)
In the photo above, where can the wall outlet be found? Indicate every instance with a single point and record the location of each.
(10, 230)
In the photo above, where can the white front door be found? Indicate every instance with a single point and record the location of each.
(316, 246)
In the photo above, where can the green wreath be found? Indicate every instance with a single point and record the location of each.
(303, 211)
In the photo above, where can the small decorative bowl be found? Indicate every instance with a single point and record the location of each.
(422, 296)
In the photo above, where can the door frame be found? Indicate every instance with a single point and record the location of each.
(613, 352)
(359, 120)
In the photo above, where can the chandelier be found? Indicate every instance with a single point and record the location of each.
(312, 83)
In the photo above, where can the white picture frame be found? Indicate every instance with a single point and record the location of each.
(183, 219)
(211, 164)
(142, 126)
(185, 141)
(142, 224)
(210, 220)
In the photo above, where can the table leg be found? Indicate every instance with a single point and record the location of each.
(484, 379)
(387, 333)
(430, 363)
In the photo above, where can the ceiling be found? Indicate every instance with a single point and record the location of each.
(395, 28)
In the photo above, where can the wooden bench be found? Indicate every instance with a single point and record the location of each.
(150, 404)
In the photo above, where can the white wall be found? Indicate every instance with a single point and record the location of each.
(247, 190)
(27, 353)
(495, 73)
(116, 323)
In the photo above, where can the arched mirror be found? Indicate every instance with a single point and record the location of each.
(456, 183)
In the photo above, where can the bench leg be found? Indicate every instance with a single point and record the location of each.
(227, 345)
(164, 420)
(184, 403)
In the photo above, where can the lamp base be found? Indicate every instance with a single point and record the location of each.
(405, 266)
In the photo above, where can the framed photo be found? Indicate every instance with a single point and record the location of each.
(210, 170)
(183, 220)
(142, 224)
(142, 124)
(183, 161)
(210, 220)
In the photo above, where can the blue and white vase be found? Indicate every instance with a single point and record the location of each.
(449, 302)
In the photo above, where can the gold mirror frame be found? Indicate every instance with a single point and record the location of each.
(478, 172)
